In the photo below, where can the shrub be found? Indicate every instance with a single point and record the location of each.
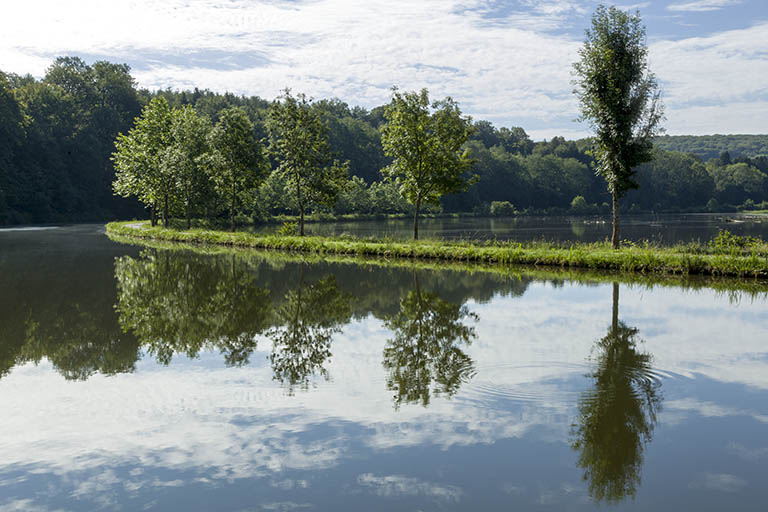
(288, 229)
(502, 209)
(580, 205)
(726, 242)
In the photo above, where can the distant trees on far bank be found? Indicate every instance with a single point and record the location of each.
(57, 134)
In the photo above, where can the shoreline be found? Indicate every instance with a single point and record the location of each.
(680, 260)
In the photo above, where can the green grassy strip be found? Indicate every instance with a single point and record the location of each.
(634, 258)
(755, 289)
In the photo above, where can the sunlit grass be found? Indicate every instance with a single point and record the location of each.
(690, 258)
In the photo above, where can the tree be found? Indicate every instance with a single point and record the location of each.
(425, 142)
(176, 302)
(617, 417)
(619, 97)
(426, 348)
(238, 162)
(11, 137)
(298, 137)
(186, 155)
(308, 319)
(138, 159)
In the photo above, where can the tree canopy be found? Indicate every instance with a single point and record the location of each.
(426, 142)
(299, 140)
(58, 134)
(619, 97)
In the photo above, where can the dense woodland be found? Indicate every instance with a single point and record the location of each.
(57, 138)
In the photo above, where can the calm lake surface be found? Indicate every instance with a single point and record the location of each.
(665, 229)
(136, 378)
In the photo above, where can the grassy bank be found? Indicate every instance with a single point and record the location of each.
(736, 289)
(689, 259)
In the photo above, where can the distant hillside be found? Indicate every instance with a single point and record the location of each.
(710, 146)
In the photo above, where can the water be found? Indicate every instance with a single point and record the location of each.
(665, 229)
(138, 378)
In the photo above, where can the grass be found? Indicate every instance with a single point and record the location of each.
(687, 259)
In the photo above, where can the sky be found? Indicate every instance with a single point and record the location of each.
(509, 62)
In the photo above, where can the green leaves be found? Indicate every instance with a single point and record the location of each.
(238, 162)
(174, 157)
(618, 95)
(425, 142)
(298, 138)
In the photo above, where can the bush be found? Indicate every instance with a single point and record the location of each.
(580, 205)
(502, 209)
(726, 242)
(288, 229)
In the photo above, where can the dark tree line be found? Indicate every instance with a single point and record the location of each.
(57, 135)
(711, 146)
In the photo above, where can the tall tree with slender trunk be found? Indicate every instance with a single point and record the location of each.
(620, 98)
(426, 143)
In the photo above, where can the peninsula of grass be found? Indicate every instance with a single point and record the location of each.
(736, 259)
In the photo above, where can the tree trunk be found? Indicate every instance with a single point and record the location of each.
(165, 212)
(153, 215)
(615, 319)
(301, 209)
(416, 220)
(232, 209)
(189, 214)
(615, 215)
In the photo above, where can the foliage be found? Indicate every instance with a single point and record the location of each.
(57, 135)
(185, 158)
(726, 242)
(619, 97)
(712, 146)
(426, 348)
(237, 162)
(298, 138)
(288, 229)
(686, 259)
(502, 209)
(426, 143)
(138, 158)
(735, 183)
(617, 417)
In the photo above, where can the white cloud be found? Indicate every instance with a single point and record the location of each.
(702, 5)
(510, 66)
(717, 70)
(392, 486)
(722, 482)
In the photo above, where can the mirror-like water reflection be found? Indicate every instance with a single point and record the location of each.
(173, 379)
(660, 228)
(617, 415)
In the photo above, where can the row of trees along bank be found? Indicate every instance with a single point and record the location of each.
(57, 134)
(172, 155)
(173, 159)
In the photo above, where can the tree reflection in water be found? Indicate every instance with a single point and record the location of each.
(425, 349)
(188, 304)
(617, 416)
(307, 320)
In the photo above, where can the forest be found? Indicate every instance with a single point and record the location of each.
(58, 135)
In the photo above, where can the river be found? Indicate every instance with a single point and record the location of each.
(146, 378)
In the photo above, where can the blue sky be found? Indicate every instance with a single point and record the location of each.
(505, 61)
